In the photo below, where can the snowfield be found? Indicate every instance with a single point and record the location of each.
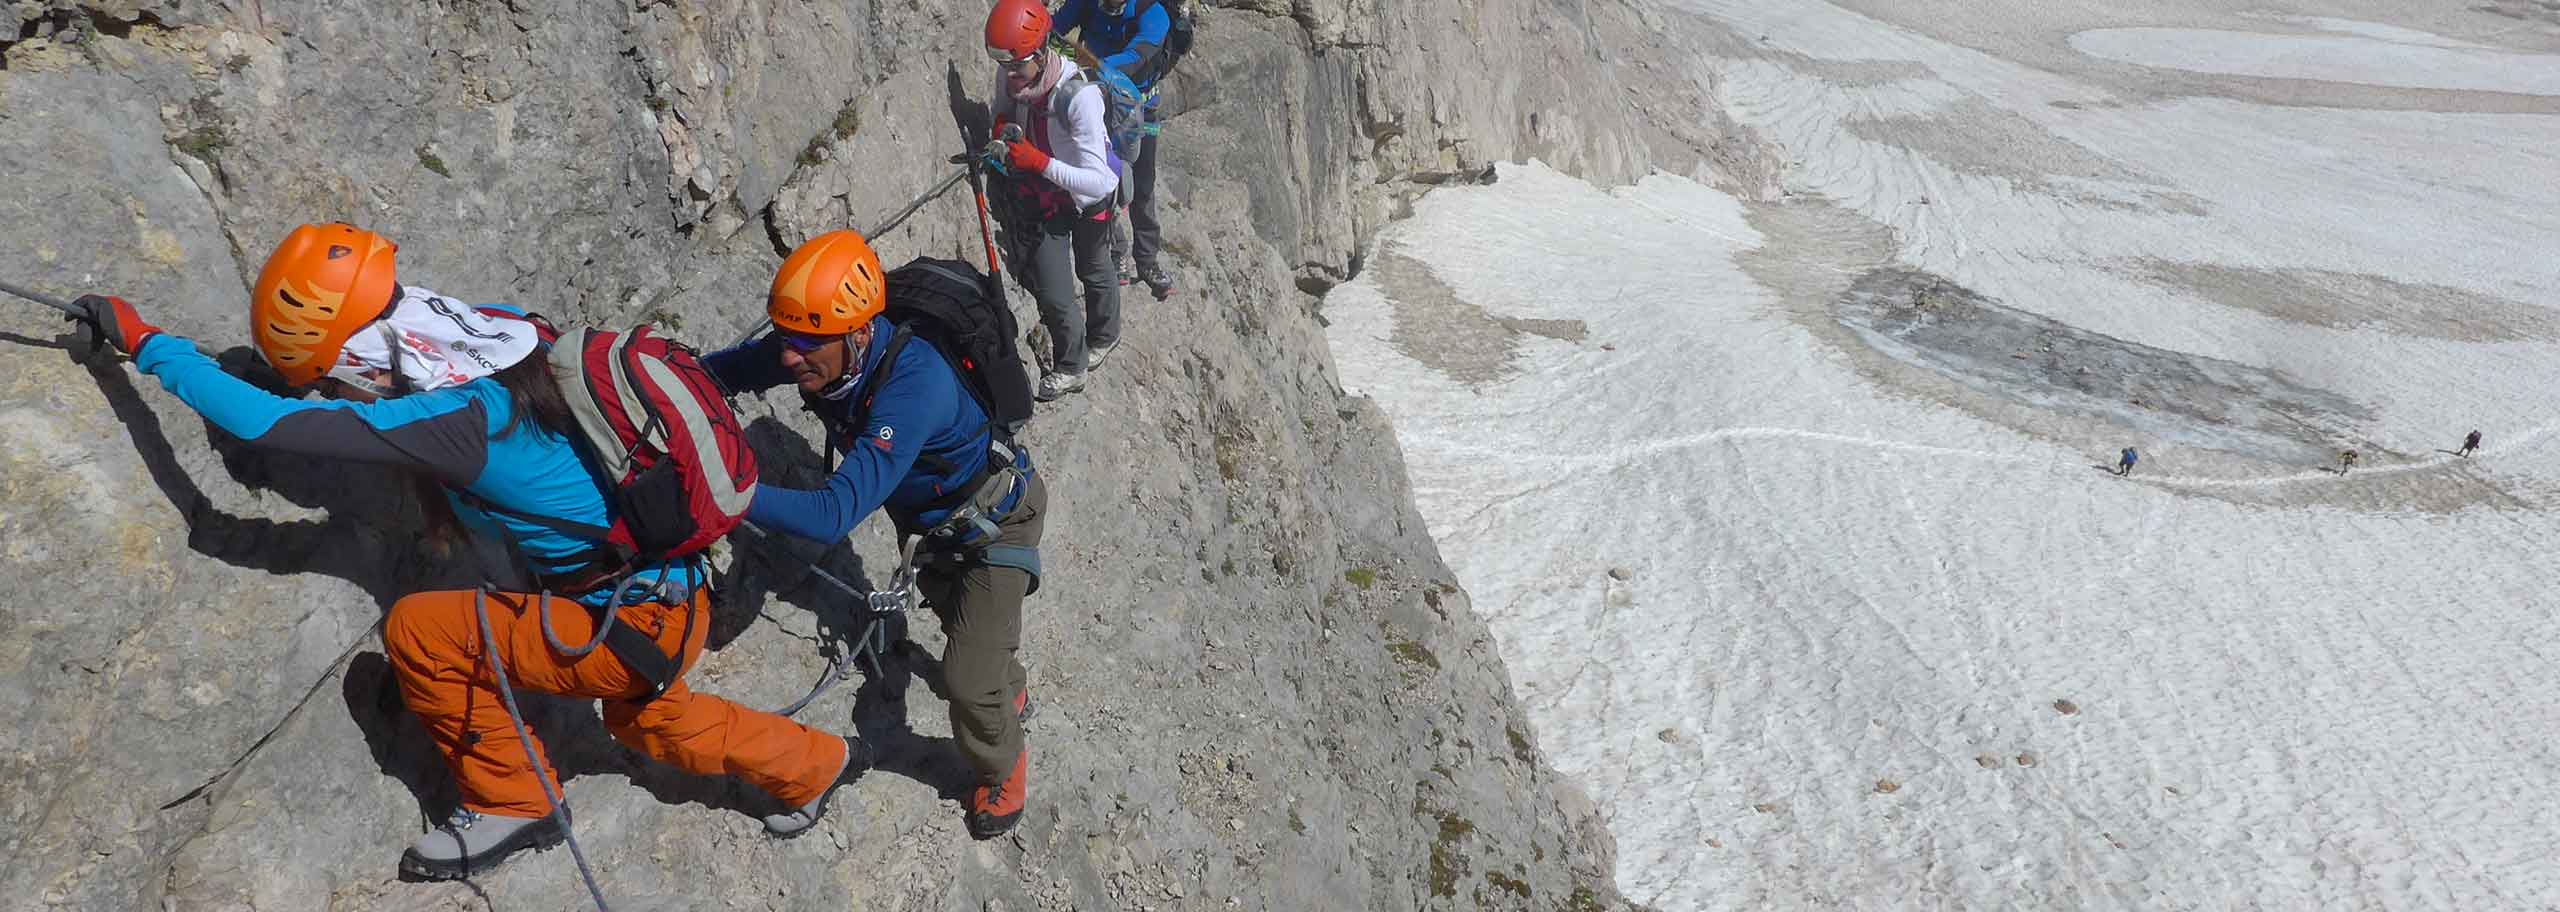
(1794, 515)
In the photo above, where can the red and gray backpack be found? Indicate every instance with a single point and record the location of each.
(679, 470)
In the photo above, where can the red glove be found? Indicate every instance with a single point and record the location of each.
(1026, 158)
(116, 322)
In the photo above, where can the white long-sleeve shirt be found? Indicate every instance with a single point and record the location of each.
(1078, 146)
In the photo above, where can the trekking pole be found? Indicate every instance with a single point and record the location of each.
(986, 231)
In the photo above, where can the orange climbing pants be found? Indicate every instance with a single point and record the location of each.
(433, 641)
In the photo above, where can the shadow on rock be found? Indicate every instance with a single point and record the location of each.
(68, 342)
(880, 719)
(393, 735)
(383, 565)
(972, 118)
(771, 565)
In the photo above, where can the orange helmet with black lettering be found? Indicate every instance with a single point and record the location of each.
(832, 285)
(322, 285)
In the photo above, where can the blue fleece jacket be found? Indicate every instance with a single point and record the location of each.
(1122, 41)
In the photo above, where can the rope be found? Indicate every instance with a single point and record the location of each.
(872, 639)
(551, 791)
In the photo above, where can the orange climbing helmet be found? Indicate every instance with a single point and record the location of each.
(324, 283)
(831, 286)
(1017, 29)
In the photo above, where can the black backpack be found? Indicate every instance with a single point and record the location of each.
(948, 303)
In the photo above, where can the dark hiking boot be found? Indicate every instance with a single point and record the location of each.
(471, 843)
(1055, 384)
(994, 809)
(1158, 280)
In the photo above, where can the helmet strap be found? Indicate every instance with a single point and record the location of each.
(843, 386)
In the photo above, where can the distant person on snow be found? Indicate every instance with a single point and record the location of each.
(1055, 193)
(915, 444)
(1127, 38)
(2470, 443)
(460, 399)
(2125, 461)
(2346, 460)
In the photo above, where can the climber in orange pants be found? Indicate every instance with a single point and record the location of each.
(463, 401)
(433, 639)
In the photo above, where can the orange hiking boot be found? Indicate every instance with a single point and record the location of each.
(993, 810)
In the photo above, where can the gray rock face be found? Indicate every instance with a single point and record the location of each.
(1260, 689)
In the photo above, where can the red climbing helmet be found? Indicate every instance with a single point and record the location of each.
(1017, 29)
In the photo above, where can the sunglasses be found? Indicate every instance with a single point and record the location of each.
(801, 345)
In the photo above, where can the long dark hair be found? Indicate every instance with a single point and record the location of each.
(535, 398)
(538, 400)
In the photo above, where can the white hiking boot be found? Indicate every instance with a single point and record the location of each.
(1093, 354)
(471, 842)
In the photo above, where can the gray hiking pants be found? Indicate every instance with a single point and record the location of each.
(1059, 263)
(1138, 192)
(981, 611)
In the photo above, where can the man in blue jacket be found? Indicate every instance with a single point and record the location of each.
(1128, 37)
(916, 444)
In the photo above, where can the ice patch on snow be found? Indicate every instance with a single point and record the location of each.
(1928, 321)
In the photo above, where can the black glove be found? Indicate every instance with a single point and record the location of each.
(115, 322)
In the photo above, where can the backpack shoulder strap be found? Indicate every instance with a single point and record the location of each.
(888, 359)
(1065, 92)
(945, 272)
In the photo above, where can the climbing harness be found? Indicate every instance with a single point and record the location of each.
(973, 519)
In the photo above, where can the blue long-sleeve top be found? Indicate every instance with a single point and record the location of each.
(1123, 41)
(924, 439)
(466, 437)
